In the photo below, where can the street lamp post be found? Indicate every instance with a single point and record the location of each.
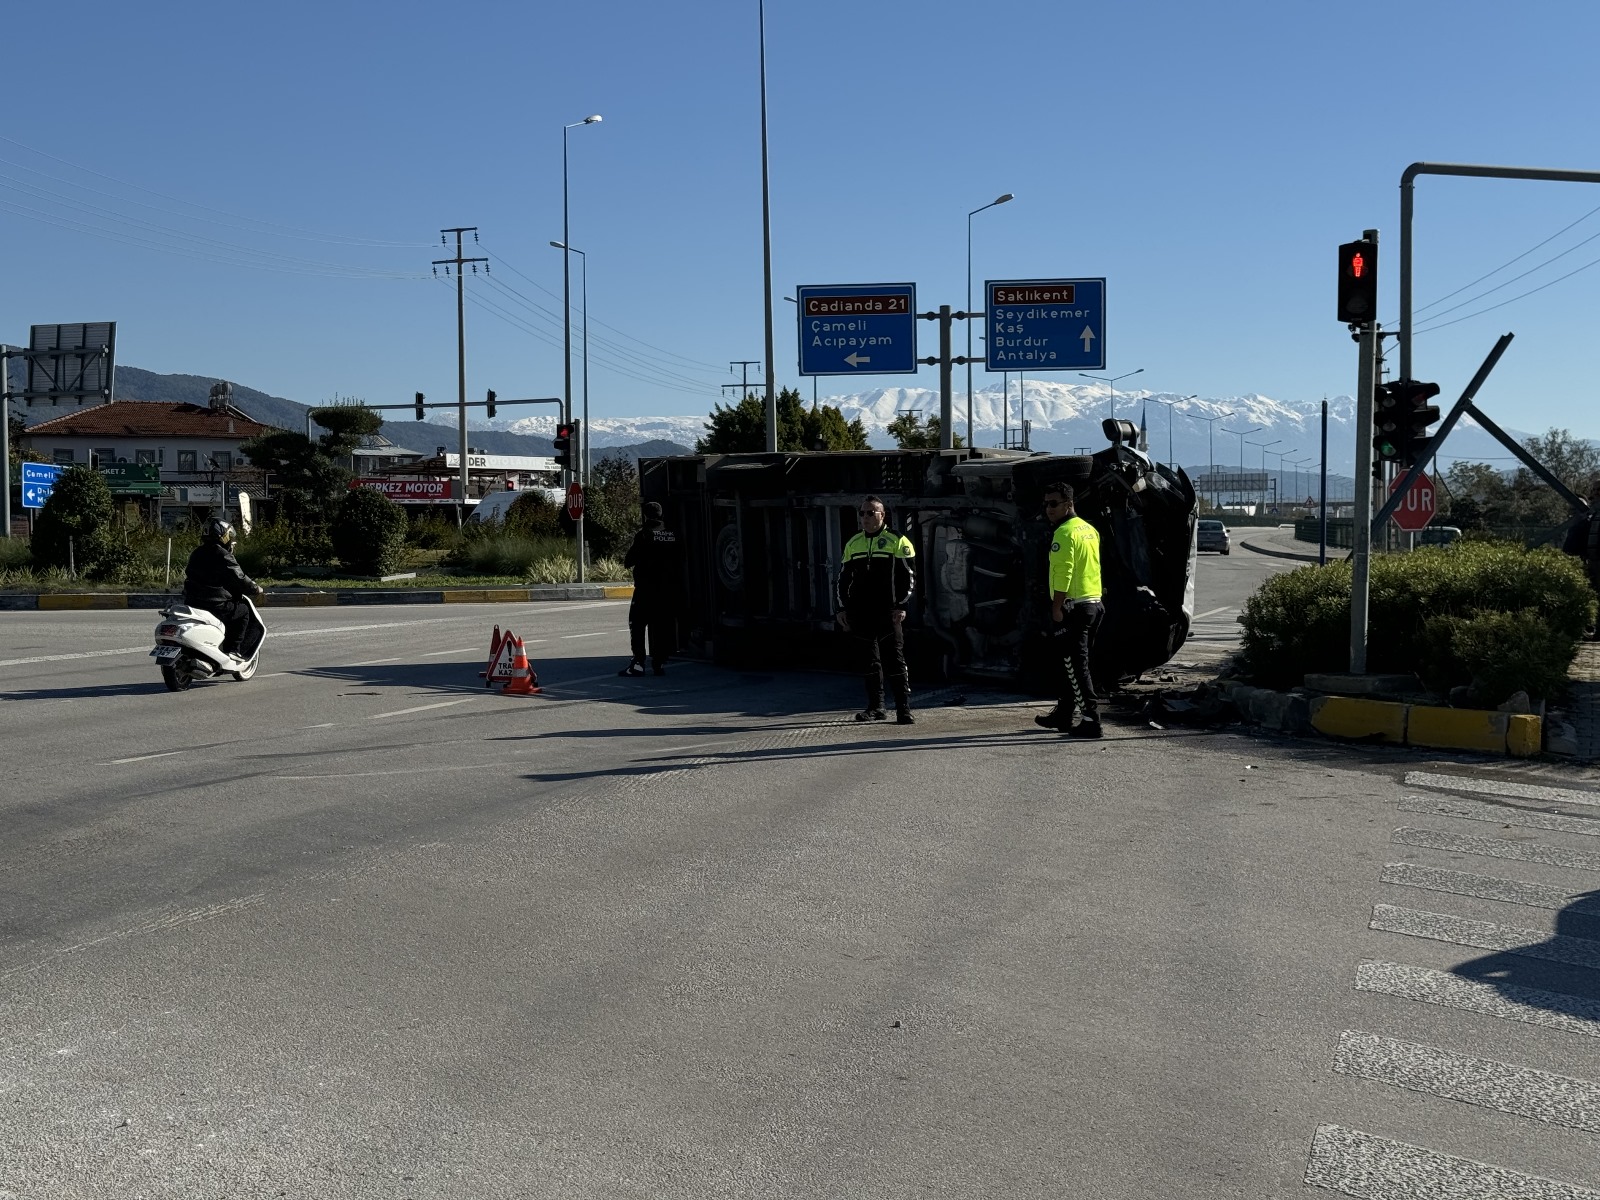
(1170, 405)
(1113, 382)
(1241, 433)
(583, 440)
(566, 307)
(971, 439)
(1211, 445)
(1264, 446)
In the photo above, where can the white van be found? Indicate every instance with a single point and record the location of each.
(495, 505)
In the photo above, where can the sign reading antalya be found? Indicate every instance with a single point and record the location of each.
(1045, 324)
(858, 329)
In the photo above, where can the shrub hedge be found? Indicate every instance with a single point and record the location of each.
(369, 532)
(1493, 617)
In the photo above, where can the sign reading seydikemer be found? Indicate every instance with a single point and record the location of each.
(858, 329)
(1045, 325)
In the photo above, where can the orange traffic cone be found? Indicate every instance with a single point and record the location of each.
(495, 644)
(523, 681)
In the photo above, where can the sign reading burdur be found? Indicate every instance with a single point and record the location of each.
(411, 491)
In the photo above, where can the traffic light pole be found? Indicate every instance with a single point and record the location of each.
(1361, 554)
(945, 360)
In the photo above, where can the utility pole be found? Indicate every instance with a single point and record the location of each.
(744, 365)
(461, 340)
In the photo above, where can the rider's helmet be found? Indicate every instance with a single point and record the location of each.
(219, 531)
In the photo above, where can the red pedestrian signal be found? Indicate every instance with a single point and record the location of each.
(1358, 282)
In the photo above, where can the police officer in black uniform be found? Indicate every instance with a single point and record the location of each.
(875, 582)
(657, 582)
(215, 582)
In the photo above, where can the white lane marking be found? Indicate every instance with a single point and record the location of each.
(1354, 1163)
(272, 674)
(1499, 787)
(567, 637)
(371, 662)
(564, 606)
(1486, 935)
(1507, 1001)
(324, 725)
(456, 650)
(400, 712)
(405, 771)
(22, 662)
(1504, 1087)
(1213, 612)
(117, 762)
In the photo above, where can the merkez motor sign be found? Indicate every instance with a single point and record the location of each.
(412, 491)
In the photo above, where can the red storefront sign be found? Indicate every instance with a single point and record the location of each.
(411, 491)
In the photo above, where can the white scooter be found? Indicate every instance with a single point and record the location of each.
(189, 646)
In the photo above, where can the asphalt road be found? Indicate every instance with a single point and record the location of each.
(358, 928)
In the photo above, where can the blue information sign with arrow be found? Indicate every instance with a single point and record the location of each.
(38, 480)
(1045, 325)
(858, 329)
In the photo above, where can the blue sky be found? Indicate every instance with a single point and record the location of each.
(1206, 159)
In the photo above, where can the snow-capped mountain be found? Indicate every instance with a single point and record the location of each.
(1064, 418)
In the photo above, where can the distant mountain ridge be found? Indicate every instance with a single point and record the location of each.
(133, 383)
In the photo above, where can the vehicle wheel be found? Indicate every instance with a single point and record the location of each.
(1225, 552)
(176, 676)
(250, 670)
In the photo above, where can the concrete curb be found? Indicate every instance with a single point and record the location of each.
(1310, 558)
(1353, 718)
(80, 601)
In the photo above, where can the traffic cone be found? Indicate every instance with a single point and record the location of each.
(523, 681)
(495, 643)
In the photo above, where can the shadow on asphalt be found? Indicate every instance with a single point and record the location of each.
(1558, 974)
(95, 691)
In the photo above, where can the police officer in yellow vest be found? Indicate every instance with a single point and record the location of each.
(1075, 609)
(875, 582)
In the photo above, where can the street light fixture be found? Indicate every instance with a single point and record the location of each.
(1264, 445)
(1113, 382)
(566, 302)
(1241, 433)
(971, 438)
(1170, 405)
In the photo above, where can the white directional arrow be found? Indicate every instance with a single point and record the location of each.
(1088, 336)
(855, 360)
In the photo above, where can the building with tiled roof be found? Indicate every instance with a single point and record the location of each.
(179, 438)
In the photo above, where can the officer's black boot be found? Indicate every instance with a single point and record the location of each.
(902, 702)
(874, 709)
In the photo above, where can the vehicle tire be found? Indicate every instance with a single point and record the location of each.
(241, 676)
(176, 676)
(1225, 552)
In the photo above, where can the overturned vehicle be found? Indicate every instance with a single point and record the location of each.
(763, 534)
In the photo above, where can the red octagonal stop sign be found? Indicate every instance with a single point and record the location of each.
(575, 501)
(1416, 510)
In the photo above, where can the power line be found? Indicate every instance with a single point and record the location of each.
(1513, 300)
(1517, 259)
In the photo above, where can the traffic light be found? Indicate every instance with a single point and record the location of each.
(1400, 419)
(1416, 414)
(419, 406)
(488, 404)
(1358, 282)
(566, 444)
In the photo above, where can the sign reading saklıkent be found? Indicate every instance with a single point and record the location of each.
(1045, 325)
(858, 328)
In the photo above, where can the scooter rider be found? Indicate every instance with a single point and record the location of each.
(214, 581)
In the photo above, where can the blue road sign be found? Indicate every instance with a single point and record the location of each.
(38, 480)
(858, 329)
(1045, 324)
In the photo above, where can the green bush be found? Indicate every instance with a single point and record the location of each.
(15, 554)
(1489, 615)
(489, 550)
(534, 515)
(369, 532)
(432, 531)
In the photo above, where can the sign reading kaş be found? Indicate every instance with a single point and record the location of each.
(1045, 325)
(858, 329)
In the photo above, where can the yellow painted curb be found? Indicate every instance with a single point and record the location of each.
(80, 600)
(1347, 717)
(1524, 735)
(464, 596)
(620, 592)
(1458, 729)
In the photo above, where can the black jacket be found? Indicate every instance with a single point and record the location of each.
(876, 578)
(655, 561)
(214, 576)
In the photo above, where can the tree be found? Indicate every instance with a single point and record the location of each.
(75, 528)
(611, 505)
(742, 428)
(308, 477)
(17, 430)
(911, 432)
(369, 532)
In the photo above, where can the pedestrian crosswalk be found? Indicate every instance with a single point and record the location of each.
(1478, 899)
(1217, 625)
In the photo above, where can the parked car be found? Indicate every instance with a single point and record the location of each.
(1211, 535)
(1439, 535)
(494, 506)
